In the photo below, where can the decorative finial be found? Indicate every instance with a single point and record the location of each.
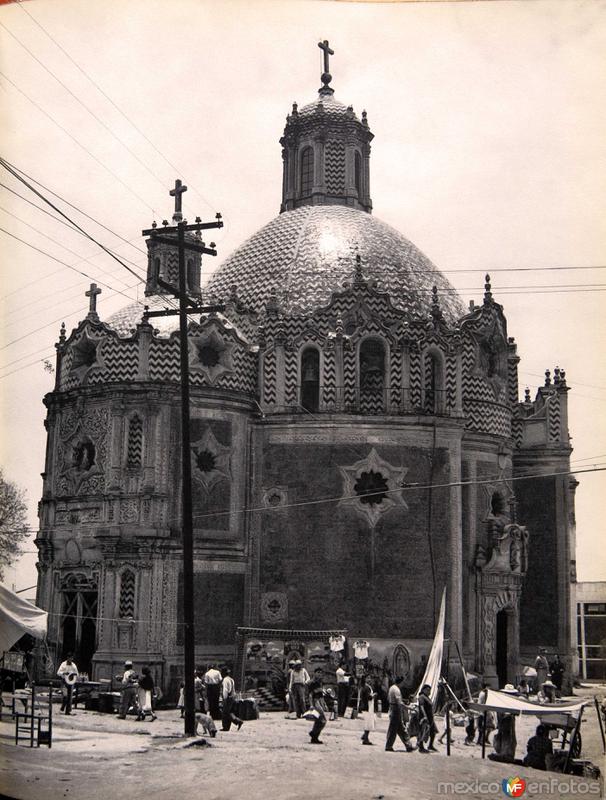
(358, 274)
(562, 377)
(176, 193)
(92, 294)
(62, 334)
(436, 312)
(556, 376)
(472, 305)
(487, 288)
(365, 119)
(154, 224)
(547, 378)
(295, 109)
(339, 329)
(527, 395)
(326, 76)
(165, 223)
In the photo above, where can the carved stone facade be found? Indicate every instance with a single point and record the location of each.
(357, 445)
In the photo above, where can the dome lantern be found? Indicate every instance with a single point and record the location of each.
(326, 152)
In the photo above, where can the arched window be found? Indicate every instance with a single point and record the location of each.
(434, 384)
(126, 608)
(192, 284)
(307, 171)
(372, 376)
(310, 379)
(134, 456)
(358, 172)
(155, 269)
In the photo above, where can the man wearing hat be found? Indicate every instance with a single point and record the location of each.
(129, 689)
(548, 692)
(299, 678)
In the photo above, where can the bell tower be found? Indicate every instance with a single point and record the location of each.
(326, 152)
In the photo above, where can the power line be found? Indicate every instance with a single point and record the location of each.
(79, 256)
(113, 103)
(84, 106)
(404, 488)
(67, 203)
(15, 173)
(73, 138)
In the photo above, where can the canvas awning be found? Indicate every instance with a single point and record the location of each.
(17, 617)
(502, 702)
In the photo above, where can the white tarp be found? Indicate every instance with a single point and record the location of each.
(433, 670)
(503, 702)
(17, 617)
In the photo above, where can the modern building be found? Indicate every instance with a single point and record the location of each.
(591, 630)
(358, 445)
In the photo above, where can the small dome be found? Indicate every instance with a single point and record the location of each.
(306, 254)
(327, 103)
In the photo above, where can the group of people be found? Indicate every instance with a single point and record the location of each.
(136, 692)
(307, 697)
(216, 699)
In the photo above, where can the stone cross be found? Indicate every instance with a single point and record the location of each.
(92, 294)
(327, 52)
(176, 193)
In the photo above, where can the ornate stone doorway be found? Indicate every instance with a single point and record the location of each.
(500, 571)
(79, 620)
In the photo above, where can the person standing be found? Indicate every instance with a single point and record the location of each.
(129, 684)
(317, 704)
(557, 673)
(228, 693)
(427, 722)
(212, 680)
(299, 679)
(396, 718)
(542, 667)
(145, 691)
(367, 705)
(342, 689)
(200, 692)
(68, 672)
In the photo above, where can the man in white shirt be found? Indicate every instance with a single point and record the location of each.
(228, 692)
(68, 672)
(299, 678)
(343, 689)
(397, 711)
(212, 678)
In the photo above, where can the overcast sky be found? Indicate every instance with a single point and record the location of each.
(489, 154)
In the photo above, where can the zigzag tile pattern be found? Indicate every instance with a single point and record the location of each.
(416, 379)
(330, 379)
(306, 254)
(512, 381)
(291, 377)
(334, 167)
(135, 441)
(127, 595)
(121, 361)
(395, 380)
(554, 418)
(269, 375)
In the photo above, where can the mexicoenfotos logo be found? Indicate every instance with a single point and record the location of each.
(513, 787)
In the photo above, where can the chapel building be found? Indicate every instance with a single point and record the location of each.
(358, 445)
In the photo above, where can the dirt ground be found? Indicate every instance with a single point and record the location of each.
(99, 756)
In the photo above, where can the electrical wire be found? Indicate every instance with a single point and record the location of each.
(84, 106)
(16, 174)
(73, 138)
(404, 488)
(114, 104)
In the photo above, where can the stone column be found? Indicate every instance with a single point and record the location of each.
(455, 589)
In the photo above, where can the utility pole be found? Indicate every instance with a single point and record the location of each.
(186, 306)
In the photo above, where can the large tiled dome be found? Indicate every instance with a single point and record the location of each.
(306, 254)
